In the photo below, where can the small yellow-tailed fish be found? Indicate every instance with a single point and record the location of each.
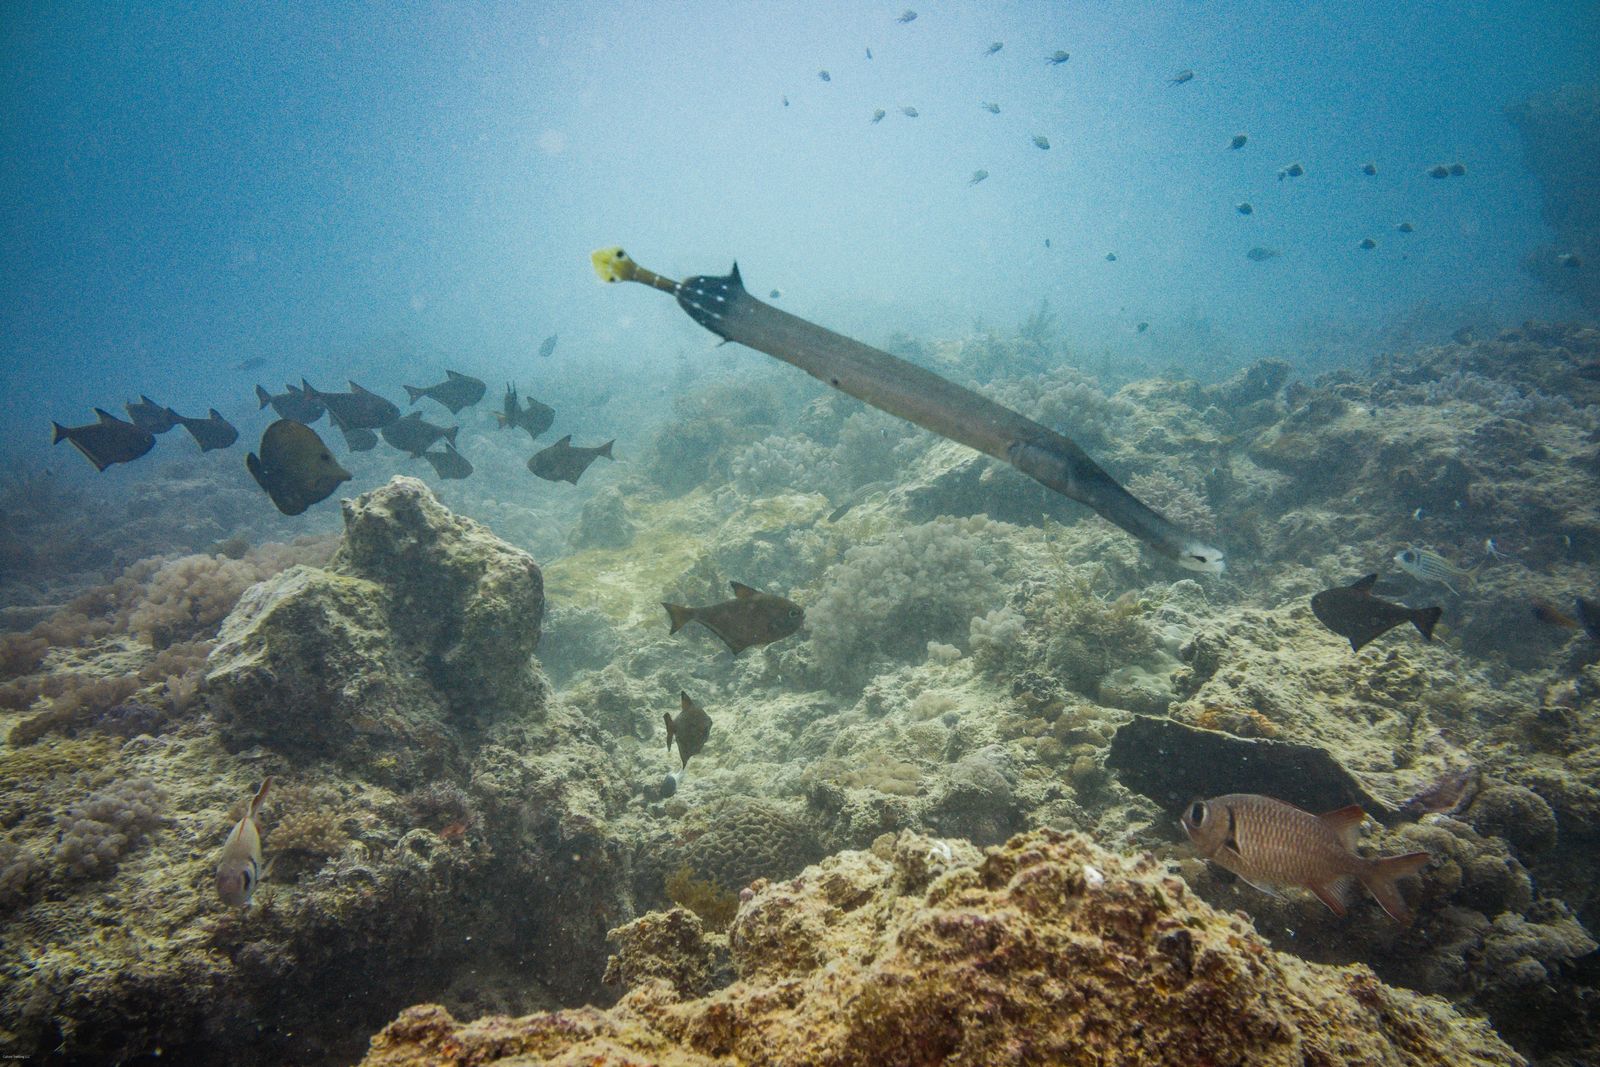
(240, 867)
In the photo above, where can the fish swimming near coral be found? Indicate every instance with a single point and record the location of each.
(150, 416)
(1589, 616)
(415, 435)
(750, 618)
(1444, 794)
(690, 729)
(354, 440)
(1351, 611)
(457, 391)
(561, 462)
(1269, 843)
(723, 306)
(359, 409)
(1428, 566)
(1550, 615)
(209, 433)
(292, 403)
(108, 441)
(536, 418)
(295, 467)
(449, 464)
(239, 869)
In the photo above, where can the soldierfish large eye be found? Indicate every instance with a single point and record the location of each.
(1197, 813)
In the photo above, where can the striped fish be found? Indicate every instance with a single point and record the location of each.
(240, 867)
(1426, 565)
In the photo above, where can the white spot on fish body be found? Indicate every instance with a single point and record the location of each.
(1092, 878)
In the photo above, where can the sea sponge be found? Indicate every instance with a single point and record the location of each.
(98, 833)
(21, 874)
(314, 832)
(888, 598)
(746, 838)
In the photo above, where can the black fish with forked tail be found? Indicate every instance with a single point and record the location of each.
(750, 618)
(562, 462)
(213, 431)
(292, 403)
(106, 442)
(1352, 611)
(723, 306)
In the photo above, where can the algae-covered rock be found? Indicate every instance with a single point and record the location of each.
(422, 627)
(471, 603)
(1044, 950)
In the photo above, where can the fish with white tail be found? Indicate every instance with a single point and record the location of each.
(1269, 843)
(240, 868)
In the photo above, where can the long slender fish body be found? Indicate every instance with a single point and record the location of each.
(723, 306)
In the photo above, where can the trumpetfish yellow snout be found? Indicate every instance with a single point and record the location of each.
(722, 305)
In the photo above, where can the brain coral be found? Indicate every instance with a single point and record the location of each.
(748, 839)
(1044, 950)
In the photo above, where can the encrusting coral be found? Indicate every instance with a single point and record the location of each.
(1044, 950)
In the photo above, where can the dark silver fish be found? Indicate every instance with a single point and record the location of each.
(150, 416)
(690, 729)
(561, 462)
(992, 49)
(250, 364)
(448, 464)
(1238, 141)
(108, 441)
(750, 618)
(548, 347)
(211, 432)
(1369, 169)
(1259, 254)
(411, 434)
(1243, 207)
(536, 417)
(1041, 141)
(457, 391)
(359, 409)
(1368, 243)
(292, 403)
(907, 15)
(1293, 170)
(1351, 611)
(1058, 58)
(355, 440)
(1181, 77)
(825, 76)
(993, 109)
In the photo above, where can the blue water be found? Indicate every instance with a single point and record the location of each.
(183, 187)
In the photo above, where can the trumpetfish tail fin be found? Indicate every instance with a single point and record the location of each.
(721, 304)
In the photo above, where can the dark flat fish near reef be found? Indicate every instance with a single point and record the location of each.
(449, 464)
(536, 418)
(106, 442)
(412, 434)
(359, 409)
(295, 467)
(211, 432)
(457, 391)
(1352, 611)
(150, 416)
(1270, 843)
(563, 463)
(292, 403)
(690, 729)
(750, 618)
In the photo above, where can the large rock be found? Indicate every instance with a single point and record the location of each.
(1044, 950)
(420, 632)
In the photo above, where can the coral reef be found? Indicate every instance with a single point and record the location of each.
(889, 597)
(1046, 949)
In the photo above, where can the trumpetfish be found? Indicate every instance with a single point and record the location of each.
(722, 305)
